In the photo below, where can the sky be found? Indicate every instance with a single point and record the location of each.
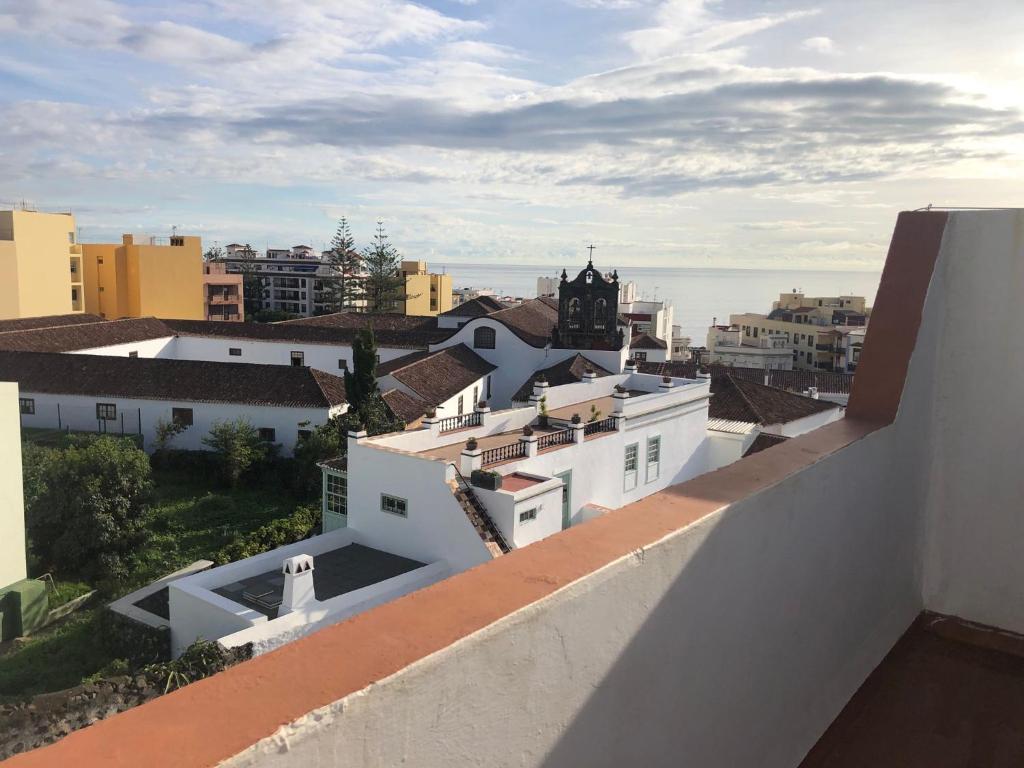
(771, 134)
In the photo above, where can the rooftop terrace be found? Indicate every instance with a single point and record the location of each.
(726, 621)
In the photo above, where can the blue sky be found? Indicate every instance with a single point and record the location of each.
(668, 132)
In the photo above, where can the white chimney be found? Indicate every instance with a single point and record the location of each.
(298, 584)
(812, 392)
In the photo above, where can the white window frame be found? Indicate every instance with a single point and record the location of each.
(336, 494)
(630, 476)
(653, 467)
(398, 510)
(528, 515)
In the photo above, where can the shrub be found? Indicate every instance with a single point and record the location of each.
(133, 641)
(165, 431)
(237, 446)
(301, 524)
(87, 513)
(201, 659)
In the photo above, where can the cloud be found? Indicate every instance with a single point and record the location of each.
(823, 45)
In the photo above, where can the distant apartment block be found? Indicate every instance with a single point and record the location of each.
(223, 294)
(40, 265)
(809, 324)
(427, 293)
(145, 277)
(728, 345)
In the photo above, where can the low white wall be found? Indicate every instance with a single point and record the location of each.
(280, 631)
(725, 447)
(804, 425)
(494, 422)
(78, 412)
(12, 508)
(323, 357)
(503, 507)
(759, 620)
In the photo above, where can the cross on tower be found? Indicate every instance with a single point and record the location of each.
(591, 248)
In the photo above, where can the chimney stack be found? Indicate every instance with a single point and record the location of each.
(298, 584)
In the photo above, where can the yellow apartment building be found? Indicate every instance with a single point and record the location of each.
(145, 279)
(40, 265)
(794, 300)
(428, 293)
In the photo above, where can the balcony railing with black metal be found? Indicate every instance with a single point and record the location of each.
(502, 453)
(561, 437)
(604, 425)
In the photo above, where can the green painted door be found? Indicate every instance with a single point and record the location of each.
(566, 478)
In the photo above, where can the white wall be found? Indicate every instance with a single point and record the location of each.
(759, 620)
(12, 507)
(323, 357)
(436, 527)
(78, 412)
(449, 407)
(164, 347)
(804, 425)
(725, 447)
(973, 562)
(504, 507)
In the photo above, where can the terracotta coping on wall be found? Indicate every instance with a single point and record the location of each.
(217, 718)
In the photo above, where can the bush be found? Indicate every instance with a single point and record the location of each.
(201, 659)
(86, 515)
(196, 463)
(302, 523)
(237, 446)
(139, 644)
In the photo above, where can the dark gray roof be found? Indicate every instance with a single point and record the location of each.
(68, 338)
(413, 336)
(48, 321)
(175, 380)
(568, 371)
(438, 376)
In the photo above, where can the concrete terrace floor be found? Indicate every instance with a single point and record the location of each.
(606, 405)
(933, 702)
(334, 573)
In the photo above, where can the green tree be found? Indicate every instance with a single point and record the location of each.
(164, 432)
(361, 381)
(253, 280)
(216, 253)
(324, 442)
(87, 518)
(345, 286)
(237, 445)
(384, 284)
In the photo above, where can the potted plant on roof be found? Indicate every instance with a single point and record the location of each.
(527, 431)
(486, 479)
(576, 418)
(595, 414)
(542, 419)
(471, 444)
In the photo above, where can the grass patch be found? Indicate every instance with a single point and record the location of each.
(191, 518)
(65, 591)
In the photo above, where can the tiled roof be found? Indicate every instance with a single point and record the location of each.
(384, 321)
(47, 321)
(68, 338)
(440, 375)
(388, 367)
(478, 307)
(569, 371)
(764, 440)
(792, 381)
(339, 463)
(531, 321)
(405, 406)
(646, 341)
(737, 399)
(176, 380)
(310, 334)
(732, 427)
(638, 316)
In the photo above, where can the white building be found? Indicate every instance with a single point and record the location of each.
(653, 317)
(12, 507)
(727, 345)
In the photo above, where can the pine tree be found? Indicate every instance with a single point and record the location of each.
(345, 286)
(384, 284)
(361, 381)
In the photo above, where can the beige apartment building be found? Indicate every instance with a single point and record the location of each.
(428, 293)
(40, 265)
(794, 300)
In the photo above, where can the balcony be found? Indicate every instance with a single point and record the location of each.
(777, 612)
(225, 297)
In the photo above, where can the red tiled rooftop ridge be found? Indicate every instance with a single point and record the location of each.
(219, 717)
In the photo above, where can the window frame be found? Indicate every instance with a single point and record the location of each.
(297, 358)
(27, 406)
(234, 351)
(526, 517)
(402, 512)
(335, 499)
(106, 411)
(461, 405)
(342, 364)
(630, 476)
(655, 442)
(483, 335)
(263, 434)
(175, 412)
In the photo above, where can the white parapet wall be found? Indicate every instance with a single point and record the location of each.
(197, 612)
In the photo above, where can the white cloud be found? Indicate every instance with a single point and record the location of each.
(819, 45)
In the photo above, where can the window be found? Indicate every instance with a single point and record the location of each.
(343, 364)
(71, 237)
(755, 333)
(268, 434)
(527, 515)
(182, 416)
(653, 457)
(600, 314)
(106, 411)
(305, 434)
(394, 505)
(235, 351)
(298, 358)
(484, 338)
(640, 357)
(27, 405)
(336, 494)
(808, 357)
(133, 354)
(810, 340)
(377, 359)
(461, 409)
(476, 395)
(488, 386)
(630, 466)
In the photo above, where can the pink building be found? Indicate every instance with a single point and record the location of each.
(223, 297)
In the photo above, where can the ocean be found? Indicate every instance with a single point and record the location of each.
(698, 295)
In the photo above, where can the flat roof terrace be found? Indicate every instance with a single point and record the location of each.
(606, 405)
(335, 572)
